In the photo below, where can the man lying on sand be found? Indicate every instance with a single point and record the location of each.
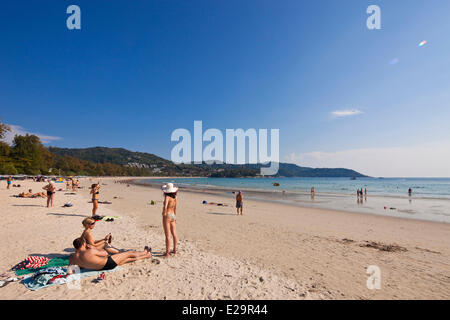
(91, 258)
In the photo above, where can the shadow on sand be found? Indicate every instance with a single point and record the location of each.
(66, 214)
(28, 205)
(50, 255)
(222, 214)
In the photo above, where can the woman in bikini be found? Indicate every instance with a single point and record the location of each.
(50, 188)
(169, 215)
(95, 194)
(89, 224)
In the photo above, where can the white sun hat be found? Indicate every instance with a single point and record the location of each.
(169, 188)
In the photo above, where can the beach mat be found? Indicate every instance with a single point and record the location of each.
(84, 273)
(55, 262)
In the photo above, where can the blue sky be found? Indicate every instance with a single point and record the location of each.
(137, 70)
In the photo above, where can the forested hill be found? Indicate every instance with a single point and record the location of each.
(153, 164)
(118, 156)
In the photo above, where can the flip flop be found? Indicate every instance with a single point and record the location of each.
(100, 278)
(12, 279)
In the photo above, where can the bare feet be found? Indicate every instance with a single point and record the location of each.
(173, 251)
(148, 250)
(166, 255)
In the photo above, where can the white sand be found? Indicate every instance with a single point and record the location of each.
(274, 251)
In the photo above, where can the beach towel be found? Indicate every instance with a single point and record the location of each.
(31, 262)
(46, 278)
(55, 262)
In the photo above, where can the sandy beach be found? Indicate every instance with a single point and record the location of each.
(274, 251)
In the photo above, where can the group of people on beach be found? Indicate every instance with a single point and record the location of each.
(361, 195)
(72, 183)
(100, 255)
(30, 194)
(49, 194)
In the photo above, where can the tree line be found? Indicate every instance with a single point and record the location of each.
(27, 155)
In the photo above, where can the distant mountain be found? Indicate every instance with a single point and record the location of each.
(292, 170)
(154, 165)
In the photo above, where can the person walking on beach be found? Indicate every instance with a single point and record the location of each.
(169, 216)
(95, 195)
(313, 193)
(8, 182)
(51, 190)
(410, 192)
(239, 203)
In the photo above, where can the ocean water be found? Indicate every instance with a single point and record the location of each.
(430, 198)
(422, 187)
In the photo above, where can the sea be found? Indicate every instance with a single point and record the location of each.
(430, 199)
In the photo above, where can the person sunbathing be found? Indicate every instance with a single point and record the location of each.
(89, 224)
(89, 257)
(30, 194)
(26, 195)
(39, 194)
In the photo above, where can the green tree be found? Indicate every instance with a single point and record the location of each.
(30, 154)
(7, 168)
(3, 129)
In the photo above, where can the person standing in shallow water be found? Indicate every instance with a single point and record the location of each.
(8, 182)
(239, 204)
(169, 216)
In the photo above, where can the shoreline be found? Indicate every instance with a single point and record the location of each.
(283, 198)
